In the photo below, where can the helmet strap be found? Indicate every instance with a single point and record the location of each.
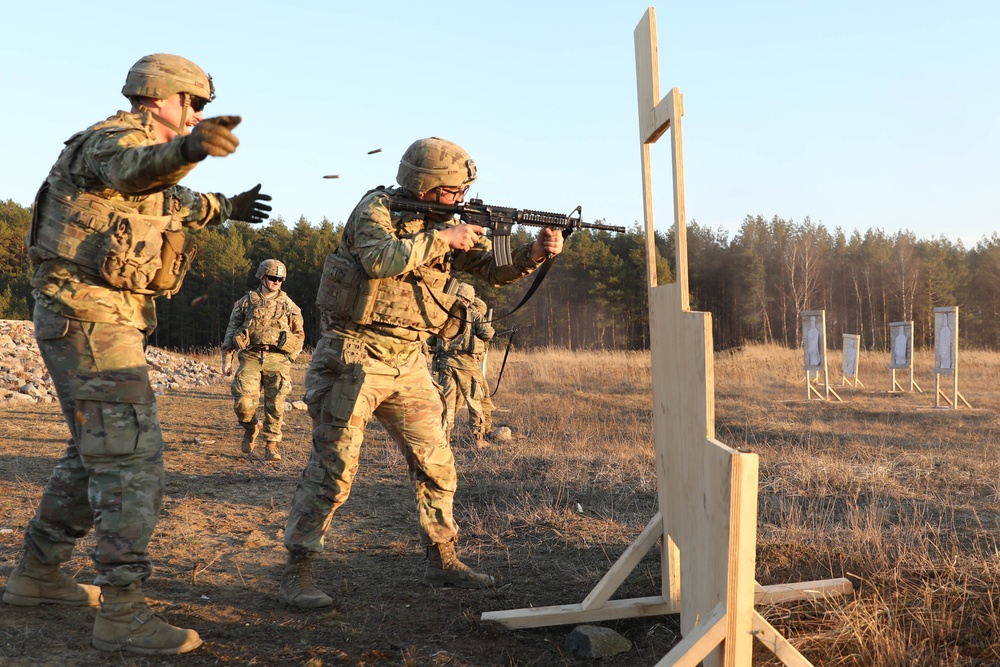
(176, 129)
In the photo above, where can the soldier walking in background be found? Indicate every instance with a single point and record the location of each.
(458, 366)
(479, 349)
(265, 330)
(383, 293)
(109, 233)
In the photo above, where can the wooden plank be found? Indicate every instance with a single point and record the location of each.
(738, 648)
(647, 77)
(648, 91)
(803, 590)
(778, 645)
(536, 617)
(663, 316)
(675, 103)
(704, 638)
(627, 562)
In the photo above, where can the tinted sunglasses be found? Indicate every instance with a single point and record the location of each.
(198, 103)
(274, 279)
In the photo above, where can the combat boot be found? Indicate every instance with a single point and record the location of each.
(126, 623)
(33, 582)
(297, 588)
(271, 452)
(444, 569)
(250, 437)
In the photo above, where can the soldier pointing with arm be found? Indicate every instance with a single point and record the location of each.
(109, 233)
(383, 293)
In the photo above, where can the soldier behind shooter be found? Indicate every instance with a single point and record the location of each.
(108, 235)
(479, 347)
(265, 329)
(383, 293)
(457, 363)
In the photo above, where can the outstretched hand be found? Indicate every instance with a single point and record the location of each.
(211, 136)
(249, 206)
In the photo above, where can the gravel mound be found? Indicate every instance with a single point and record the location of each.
(23, 377)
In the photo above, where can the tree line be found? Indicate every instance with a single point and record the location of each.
(754, 283)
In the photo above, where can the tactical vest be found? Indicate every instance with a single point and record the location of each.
(264, 320)
(478, 347)
(422, 299)
(465, 341)
(108, 238)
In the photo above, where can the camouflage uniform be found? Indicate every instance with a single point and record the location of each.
(91, 337)
(268, 333)
(378, 368)
(460, 374)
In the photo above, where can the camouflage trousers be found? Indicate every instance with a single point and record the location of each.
(110, 478)
(467, 386)
(272, 371)
(345, 387)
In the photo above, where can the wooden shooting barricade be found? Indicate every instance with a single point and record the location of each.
(707, 492)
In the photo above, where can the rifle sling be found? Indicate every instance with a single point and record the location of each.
(539, 276)
(503, 364)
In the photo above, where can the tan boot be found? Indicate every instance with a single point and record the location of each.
(33, 582)
(271, 452)
(250, 437)
(126, 623)
(444, 569)
(297, 588)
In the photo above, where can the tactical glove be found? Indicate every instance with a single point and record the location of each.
(249, 207)
(212, 136)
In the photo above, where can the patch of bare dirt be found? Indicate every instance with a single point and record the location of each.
(218, 553)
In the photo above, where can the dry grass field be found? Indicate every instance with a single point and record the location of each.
(885, 489)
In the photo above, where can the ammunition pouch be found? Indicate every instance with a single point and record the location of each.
(289, 345)
(176, 255)
(241, 340)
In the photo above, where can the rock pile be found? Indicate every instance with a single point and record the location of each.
(23, 377)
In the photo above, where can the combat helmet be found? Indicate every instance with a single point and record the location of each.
(162, 75)
(429, 163)
(466, 291)
(271, 267)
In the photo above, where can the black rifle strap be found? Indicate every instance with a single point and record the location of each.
(539, 276)
(503, 364)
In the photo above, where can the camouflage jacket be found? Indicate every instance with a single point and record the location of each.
(117, 161)
(465, 351)
(391, 245)
(266, 324)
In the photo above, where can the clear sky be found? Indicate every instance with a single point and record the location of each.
(880, 114)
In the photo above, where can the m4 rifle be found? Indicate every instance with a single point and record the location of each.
(500, 220)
